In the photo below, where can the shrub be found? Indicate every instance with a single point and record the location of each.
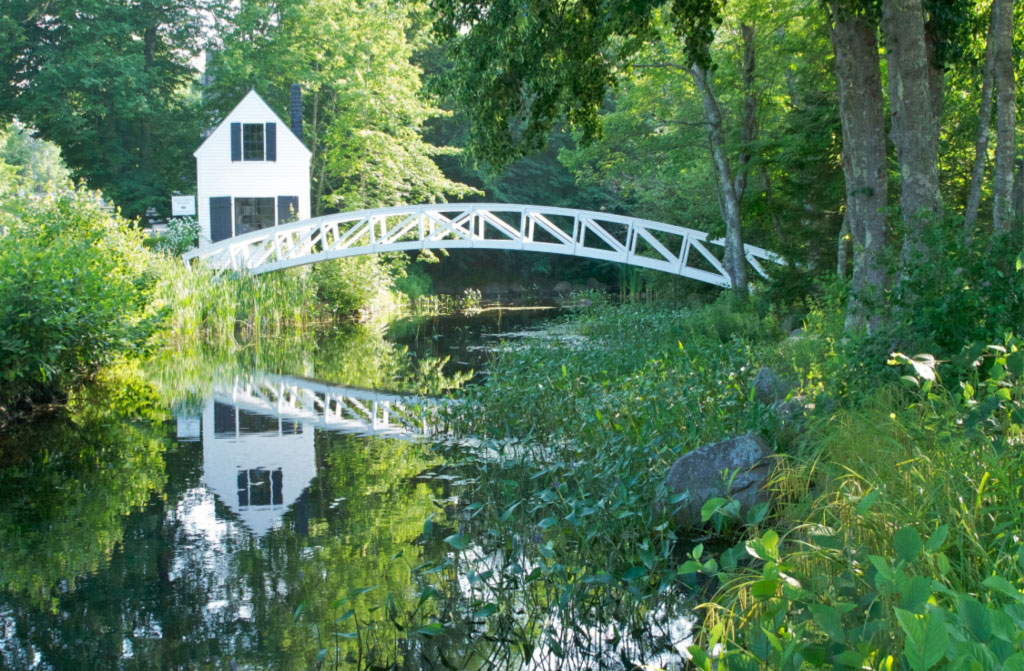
(348, 285)
(963, 290)
(182, 235)
(75, 282)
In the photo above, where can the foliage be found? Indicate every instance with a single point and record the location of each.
(962, 290)
(345, 286)
(517, 81)
(363, 107)
(891, 515)
(108, 82)
(202, 306)
(54, 525)
(907, 553)
(599, 379)
(38, 167)
(182, 235)
(75, 293)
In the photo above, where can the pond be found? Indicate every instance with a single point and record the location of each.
(283, 506)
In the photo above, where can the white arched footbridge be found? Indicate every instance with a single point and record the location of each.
(594, 235)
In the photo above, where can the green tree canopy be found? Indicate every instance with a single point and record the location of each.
(108, 82)
(363, 108)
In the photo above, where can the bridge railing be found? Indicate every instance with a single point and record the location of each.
(597, 235)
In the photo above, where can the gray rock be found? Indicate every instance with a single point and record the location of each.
(769, 387)
(701, 474)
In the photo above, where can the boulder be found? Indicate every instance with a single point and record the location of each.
(769, 387)
(701, 474)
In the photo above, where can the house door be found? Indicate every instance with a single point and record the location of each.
(220, 218)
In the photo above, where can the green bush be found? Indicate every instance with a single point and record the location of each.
(75, 284)
(182, 235)
(961, 291)
(345, 286)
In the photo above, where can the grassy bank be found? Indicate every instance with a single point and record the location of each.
(894, 538)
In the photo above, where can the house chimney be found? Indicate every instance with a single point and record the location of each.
(295, 105)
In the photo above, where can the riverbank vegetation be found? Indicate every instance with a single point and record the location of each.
(893, 538)
(834, 133)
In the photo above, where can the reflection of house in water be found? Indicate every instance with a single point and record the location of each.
(257, 465)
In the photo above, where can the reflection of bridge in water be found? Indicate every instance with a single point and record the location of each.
(257, 435)
(361, 412)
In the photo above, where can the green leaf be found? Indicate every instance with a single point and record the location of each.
(937, 538)
(431, 630)
(689, 566)
(865, 503)
(710, 507)
(915, 593)
(634, 572)
(1014, 662)
(1015, 363)
(1001, 584)
(907, 543)
(457, 541)
(487, 611)
(829, 620)
(764, 589)
(508, 512)
(547, 522)
(850, 658)
(926, 638)
(974, 616)
(757, 513)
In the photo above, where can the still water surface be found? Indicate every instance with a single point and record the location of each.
(274, 508)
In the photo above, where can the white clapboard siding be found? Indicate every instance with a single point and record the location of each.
(218, 175)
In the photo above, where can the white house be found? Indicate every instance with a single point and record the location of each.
(253, 171)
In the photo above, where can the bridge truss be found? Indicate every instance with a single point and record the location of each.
(595, 235)
(360, 412)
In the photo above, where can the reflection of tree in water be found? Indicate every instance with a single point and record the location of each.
(186, 586)
(355, 356)
(67, 484)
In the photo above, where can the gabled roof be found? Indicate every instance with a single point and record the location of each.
(250, 102)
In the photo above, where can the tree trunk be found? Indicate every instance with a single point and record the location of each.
(749, 111)
(984, 122)
(842, 259)
(913, 124)
(861, 111)
(1018, 190)
(1006, 114)
(735, 260)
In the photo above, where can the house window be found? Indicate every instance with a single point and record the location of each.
(260, 487)
(252, 142)
(252, 214)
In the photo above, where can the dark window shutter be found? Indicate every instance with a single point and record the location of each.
(287, 209)
(220, 218)
(236, 142)
(271, 141)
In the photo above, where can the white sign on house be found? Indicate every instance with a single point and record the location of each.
(253, 171)
(183, 206)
